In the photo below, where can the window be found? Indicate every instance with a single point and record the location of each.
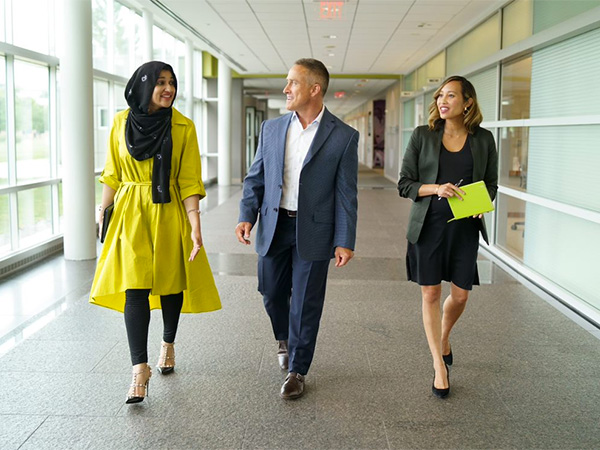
(3, 138)
(28, 15)
(31, 121)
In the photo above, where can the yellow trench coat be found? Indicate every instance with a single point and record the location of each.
(147, 245)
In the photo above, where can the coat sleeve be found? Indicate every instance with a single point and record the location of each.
(254, 186)
(409, 184)
(111, 175)
(346, 196)
(189, 178)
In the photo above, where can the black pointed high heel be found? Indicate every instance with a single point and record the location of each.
(441, 393)
(448, 358)
(166, 360)
(138, 390)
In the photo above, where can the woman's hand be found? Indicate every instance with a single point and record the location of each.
(448, 190)
(197, 241)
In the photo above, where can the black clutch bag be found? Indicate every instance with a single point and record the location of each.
(105, 221)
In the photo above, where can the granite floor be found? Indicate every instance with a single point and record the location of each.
(526, 371)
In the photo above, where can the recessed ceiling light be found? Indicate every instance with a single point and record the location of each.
(331, 54)
(330, 36)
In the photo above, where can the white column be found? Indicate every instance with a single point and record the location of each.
(148, 36)
(77, 130)
(224, 124)
(189, 78)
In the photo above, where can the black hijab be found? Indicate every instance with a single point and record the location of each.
(149, 135)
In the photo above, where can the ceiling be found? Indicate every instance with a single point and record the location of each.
(371, 41)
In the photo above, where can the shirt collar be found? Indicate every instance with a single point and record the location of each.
(317, 119)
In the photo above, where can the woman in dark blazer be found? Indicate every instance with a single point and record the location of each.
(450, 151)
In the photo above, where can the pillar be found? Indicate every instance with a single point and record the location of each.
(224, 124)
(77, 130)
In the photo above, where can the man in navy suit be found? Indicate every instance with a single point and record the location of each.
(303, 184)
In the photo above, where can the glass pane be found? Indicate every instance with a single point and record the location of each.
(61, 212)
(513, 148)
(35, 215)
(123, 40)
(548, 13)
(158, 42)
(516, 90)
(577, 60)
(31, 121)
(4, 224)
(510, 225)
(517, 22)
(3, 142)
(2, 26)
(564, 249)
(485, 87)
(482, 41)
(138, 59)
(563, 164)
(197, 73)
(408, 120)
(102, 123)
(120, 102)
(100, 34)
(30, 24)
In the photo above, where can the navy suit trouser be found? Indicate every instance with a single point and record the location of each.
(293, 293)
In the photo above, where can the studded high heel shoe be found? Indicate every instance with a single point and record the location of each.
(166, 360)
(139, 385)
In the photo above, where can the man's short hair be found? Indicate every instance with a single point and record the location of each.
(317, 70)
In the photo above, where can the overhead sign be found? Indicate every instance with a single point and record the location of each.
(331, 10)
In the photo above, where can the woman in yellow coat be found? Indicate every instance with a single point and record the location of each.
(153, 255)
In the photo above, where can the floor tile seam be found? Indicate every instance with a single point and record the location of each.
(34, 431)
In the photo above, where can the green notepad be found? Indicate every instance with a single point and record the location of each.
(475, 201)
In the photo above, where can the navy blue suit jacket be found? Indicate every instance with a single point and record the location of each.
(327, 198)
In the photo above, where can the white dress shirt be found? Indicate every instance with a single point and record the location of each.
(297, 143)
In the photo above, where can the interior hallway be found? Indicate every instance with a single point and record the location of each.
(525, 374)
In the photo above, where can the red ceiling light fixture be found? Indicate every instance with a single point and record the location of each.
(331, 10)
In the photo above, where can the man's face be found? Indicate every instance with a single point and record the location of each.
(300, 90)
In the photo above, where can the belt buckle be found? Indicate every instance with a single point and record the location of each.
(292, 213)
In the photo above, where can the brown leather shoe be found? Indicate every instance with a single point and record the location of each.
(293, 386)
(282, 355)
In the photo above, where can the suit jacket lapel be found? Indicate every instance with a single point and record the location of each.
(327, 124)
(281, 141)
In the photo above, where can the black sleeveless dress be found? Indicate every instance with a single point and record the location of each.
(446, 251)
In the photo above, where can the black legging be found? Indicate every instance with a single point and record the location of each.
(137, 320)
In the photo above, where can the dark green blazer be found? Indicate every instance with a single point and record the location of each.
(421, 163)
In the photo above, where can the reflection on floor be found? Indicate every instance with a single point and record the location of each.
(525, 375)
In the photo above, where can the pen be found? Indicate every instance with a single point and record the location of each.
(457, 185)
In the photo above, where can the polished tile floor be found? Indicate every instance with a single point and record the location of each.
(525, 374)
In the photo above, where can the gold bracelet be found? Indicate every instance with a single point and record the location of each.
(193, 210)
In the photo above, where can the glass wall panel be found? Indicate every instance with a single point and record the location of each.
(5, 245)
(514, 142)
(410, 81)
(102, 122)
(125, 32)
(480, 42)
(485, 87)
(517, 22)
(516, 90)
(563, 164)
(564, 77)
(2, 24)
(510, 225)
(61, 213)
(31, 121)
(35, 215)
(408, 117)
(564, 249)
(3, 140)
(30, 25)
(100, 34)
(547, 13)
(120, 102)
